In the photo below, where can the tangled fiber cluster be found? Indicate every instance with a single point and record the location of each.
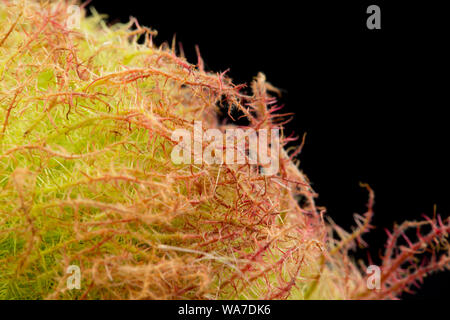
(86, 179)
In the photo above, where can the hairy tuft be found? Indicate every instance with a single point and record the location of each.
(86, 179)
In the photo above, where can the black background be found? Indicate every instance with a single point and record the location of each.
(372, 102)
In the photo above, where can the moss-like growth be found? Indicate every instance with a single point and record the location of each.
(86, 179)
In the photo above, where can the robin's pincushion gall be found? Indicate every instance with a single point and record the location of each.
(86, 180)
